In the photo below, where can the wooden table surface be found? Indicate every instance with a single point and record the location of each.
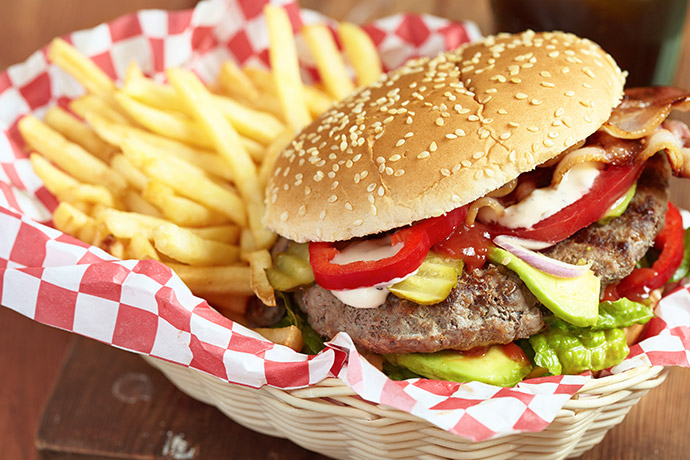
(31, 354)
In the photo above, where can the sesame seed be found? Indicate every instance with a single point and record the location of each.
(284, 216)
(553, 54)
(547, 84)
(322, 214)
(439, 121)
(466, 163)
(459, 132)
(423, 155)
(332, 198)
(302, 211)
(548, 143)
(357, 222)
(331, 174)
(409, 120)
(371, 187)
(477, 155)
(445, 172)
(318, 176)
(408, 135)
(400, 142)
(307, 190)
(505, 136)
(502, 111)
(348, 206)
(456, 168)
(381, 191)
(521, 96)
(514, 124)
(473, 118)
(536, 102)
(382, 168)
(433, 147)
(399, 172)
(451, 136)
(533, 129)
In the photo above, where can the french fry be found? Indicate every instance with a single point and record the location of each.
(134, 202)
(70, 157)
(84, 70)
(259, 261)
(66, 188)
(116, 248)
(229, 280)
(176, 125)
(229, 147)
(69, 219)
(252, 123)
(361, 53)
(236, 84)
(142, 249)
(229, 234)
(194, 186)
(90, 104)
(247, 244)
(79, 133)
(329, 62)
(272, 153)
(136, 179)
(180, 210)
(317, 101)
(289, 336)
(116, 134)
(184, 246)
(286, 73)
(123, 224)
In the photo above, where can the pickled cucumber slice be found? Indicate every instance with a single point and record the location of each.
(291, 268)
(432, 283)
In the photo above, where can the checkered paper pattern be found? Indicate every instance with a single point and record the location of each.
(143, 307)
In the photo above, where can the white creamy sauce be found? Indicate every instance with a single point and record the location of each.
(368, 297)
(367, 250)
(547, 201)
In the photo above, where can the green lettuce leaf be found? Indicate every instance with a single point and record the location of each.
(293, 317)
(568, 349)
(684, 268)
(622, 313)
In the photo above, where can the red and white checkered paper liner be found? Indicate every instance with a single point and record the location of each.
(141, 306)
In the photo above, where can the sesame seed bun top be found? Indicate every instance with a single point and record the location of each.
(439, 133)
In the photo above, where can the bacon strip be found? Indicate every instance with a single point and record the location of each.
(642, 110)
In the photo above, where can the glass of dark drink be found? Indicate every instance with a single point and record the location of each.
(643, 36)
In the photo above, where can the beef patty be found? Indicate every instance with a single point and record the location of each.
(492, 305)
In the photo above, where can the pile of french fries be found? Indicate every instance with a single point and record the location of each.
(176, 172)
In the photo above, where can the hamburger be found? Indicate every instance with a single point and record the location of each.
(503, 191)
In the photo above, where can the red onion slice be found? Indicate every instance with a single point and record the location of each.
(519, 248)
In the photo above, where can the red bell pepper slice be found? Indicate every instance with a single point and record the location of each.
(642, 281)
(416, 241)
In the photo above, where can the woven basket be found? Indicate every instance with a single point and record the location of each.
(331, 419)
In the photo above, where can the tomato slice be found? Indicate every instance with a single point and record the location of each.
(607, 188)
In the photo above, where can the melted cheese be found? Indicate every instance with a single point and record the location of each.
(545, 202)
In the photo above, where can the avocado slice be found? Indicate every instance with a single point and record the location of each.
(499, 365)
(575, 300)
